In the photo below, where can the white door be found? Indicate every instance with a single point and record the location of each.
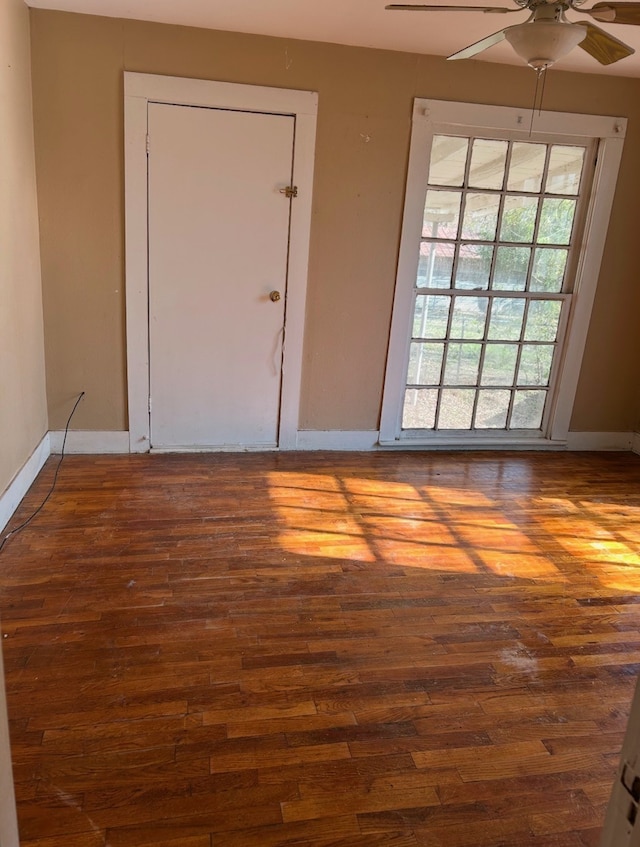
(218, 247)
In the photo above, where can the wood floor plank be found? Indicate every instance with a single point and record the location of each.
(342, 830)
(336, 650)
(96, 838)
(370, 801)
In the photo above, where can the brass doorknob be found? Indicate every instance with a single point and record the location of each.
(274, 296)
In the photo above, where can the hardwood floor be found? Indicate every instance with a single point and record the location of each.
(334, 650)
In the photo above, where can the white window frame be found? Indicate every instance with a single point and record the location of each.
(431, 117)
(139, 90)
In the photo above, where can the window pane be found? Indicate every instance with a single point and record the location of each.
(425, 364)
(518, 219)
(527, 409)
(527, 166)
(469, 317)
(542, 320)
(497, 226)
(499, 364)
(441, 214)
(456, 408)
(548, 270)
(480, 217)
(474, 266)
(462, 364)
(431, 316)
(505, 323)
(535, 364)
(448, 158)
(492, 409)
(512, 264)
(419, 408)
(556, 221)
(565, 169)
(488, 159)
(435, 265)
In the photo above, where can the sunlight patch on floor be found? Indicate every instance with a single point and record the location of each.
(446, 495)
(333, 545)
(432, 557)
(522, 566)
(366, 520)
(387, 490)
(602, 545)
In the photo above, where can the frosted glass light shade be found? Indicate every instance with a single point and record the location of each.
(541, 43)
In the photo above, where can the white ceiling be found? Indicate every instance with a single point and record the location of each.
(364, 23)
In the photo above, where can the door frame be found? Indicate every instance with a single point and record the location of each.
(139, 90)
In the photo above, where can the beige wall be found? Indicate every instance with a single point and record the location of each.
(362, 147)
(23, 414)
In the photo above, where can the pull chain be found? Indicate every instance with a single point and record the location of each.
(543, 74)
(541, 77)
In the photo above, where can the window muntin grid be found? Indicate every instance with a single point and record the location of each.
(491, 285)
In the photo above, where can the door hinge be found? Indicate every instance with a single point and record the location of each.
(147, 144)
(290, 191)
(149, 405)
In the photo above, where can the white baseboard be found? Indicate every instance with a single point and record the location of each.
(600, 441)
(336, 439)
(368, 440)
(87, 441)
(10, 499)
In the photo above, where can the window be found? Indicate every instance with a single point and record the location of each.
(491, 283)
(491, 256)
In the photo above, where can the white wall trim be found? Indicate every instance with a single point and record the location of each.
(89, 442)
(337, 439)
(215, 448)
(343, 440)
(600, 441)
(477, 440)
(454, 114)
(11, 498)
(140, 89)
(81, 441)
(587, 273)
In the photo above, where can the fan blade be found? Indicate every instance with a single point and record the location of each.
(496, 10)
(614, 13)
(479, 46)
(604, 47)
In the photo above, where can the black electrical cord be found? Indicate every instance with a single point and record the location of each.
(53, 484)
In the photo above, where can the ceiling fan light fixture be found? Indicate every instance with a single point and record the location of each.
(541, 43)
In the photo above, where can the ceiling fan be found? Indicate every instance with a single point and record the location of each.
(547, 35)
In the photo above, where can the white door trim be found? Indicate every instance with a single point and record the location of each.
(139, 89)
(431, 116)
